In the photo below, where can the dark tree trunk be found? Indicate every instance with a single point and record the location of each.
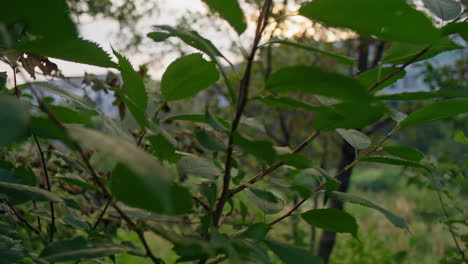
(348, 154)
(327, 240)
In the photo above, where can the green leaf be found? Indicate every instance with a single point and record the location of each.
(149, 182)
(70, 49)
(256, 231)
(387, 19)
(314, 80)
(70, 116)
(137, 112)
(341, 59)
(13, 119)
(48, 18)
(230, 11)
(198, 167)
(395, 220)
(79, 248)
(265, 200)
(133, 84)
(355, 138)
(400, 53)
(262, 150)
(392, 161)
(25, 193)
(285, 102)
(292, 255)
(208, 140)
(296, 160)
(162, 148)
(332, 219)
(444, 9)
(148, 192)
(460, 137)
(348, 115)
(368, 78)
(456, 28)
(191, 38)
(436, 111)
(187, 76)
(77, 101)
(404, 152)
(27, 175)
(76, 180)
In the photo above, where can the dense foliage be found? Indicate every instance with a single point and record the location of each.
(213, 184)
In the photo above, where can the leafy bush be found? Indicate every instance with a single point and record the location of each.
(73, 180)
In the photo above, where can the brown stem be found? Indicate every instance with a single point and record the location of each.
(49, 188)
(241, 103)
(401, 68)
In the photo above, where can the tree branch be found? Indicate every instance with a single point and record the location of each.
(22, 219)
(47, 178)
(402, 67)
(241, 103)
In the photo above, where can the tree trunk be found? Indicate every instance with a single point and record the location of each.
(348, 155)
(327, 240)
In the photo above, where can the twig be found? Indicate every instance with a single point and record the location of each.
(454, 237)
(356, 161)
(272, 167)
(22, 219)
(47, 178)
(401, 68)
(241, 103)
(101, 215)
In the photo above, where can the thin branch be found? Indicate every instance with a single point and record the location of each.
(22, 219)
(241, 103)
(356, 161)
(49, 188)
(203, 204)
(272, 167)
(454, 237)
(218, 260)
(101, 215)
(401, 68)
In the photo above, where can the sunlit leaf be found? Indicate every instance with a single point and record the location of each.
(387, 19)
